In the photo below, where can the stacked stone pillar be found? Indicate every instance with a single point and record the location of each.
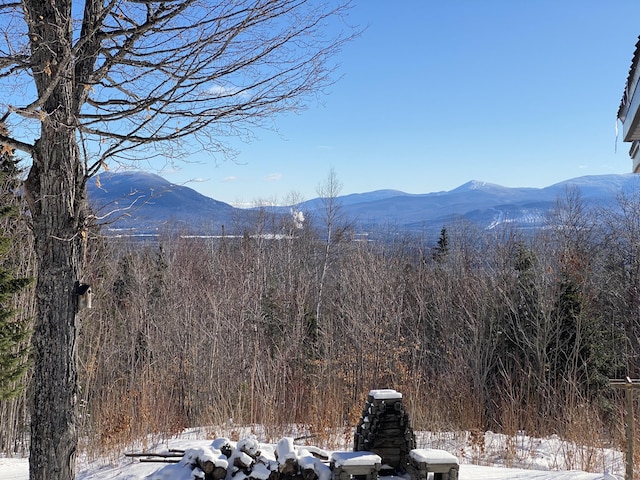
(385, 430)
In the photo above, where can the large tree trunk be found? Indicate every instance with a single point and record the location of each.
(56, 193)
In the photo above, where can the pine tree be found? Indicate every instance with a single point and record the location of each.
(14, 330)
(442, 248)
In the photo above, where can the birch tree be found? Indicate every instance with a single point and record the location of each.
(88, 82)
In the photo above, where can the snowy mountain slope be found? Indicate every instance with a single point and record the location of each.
(147, 202)
(488, 205)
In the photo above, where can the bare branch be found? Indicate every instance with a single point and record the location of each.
(174, 72)
(145, 73)
(6, 141)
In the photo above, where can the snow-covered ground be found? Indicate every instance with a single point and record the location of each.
(482, 457)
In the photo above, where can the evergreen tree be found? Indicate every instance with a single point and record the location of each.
(525, 315)
(519, 335)
(14, 331)
(585, 351)
(442, 248)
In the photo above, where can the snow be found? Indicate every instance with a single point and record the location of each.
(260, 472)
(171, 472)
(352, 459)
(543, 459)
(385, 394)
(14, 469)
(432, 455)
(322, 470)
(18, 469)
(204, 454)
(285, 449)
(219, 443)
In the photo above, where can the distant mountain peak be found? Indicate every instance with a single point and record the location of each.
(477, 185)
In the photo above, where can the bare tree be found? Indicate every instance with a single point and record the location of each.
(334, 226)
(96, 79)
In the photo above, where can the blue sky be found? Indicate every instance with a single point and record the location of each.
(522, 93)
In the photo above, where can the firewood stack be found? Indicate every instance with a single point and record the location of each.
(384, 429)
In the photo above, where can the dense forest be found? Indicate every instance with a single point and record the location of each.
(479, 330)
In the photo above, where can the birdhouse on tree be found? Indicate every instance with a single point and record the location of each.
(84, 293)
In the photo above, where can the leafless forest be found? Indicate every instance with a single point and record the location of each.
(481, 330)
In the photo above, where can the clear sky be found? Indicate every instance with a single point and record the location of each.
(522, 93)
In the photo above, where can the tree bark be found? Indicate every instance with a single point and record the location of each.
(55, 190)
(57, 198)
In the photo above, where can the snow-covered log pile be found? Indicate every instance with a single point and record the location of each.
(384, 428)
(384, 445)
(247, 460)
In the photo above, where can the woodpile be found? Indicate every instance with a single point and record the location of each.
(212, 465)
(226, 460)
(384, 428)
(301, 463)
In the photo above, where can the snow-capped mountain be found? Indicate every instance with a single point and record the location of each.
(140, 202)
(484, 204)
(147, 203)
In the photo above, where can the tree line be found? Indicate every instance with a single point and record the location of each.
(502, 330)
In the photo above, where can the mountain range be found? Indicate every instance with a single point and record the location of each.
(140, 203)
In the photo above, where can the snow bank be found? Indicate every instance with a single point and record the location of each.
(543, 460)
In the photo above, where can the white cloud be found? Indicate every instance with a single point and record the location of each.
(230, 178)
(224, 91)
(273, 177)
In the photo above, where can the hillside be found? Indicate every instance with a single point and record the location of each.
(144, 203)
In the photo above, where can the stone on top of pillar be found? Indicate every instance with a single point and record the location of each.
(385, 394)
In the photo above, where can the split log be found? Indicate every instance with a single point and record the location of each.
(207, 466)
(219, 473)
(160, 460)
(289, 467)
(211, 472)
(226, 450)
(242, 461)
(274, 476)
(305, 437)
(318, 453)
(309, 474)
(170, 454)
